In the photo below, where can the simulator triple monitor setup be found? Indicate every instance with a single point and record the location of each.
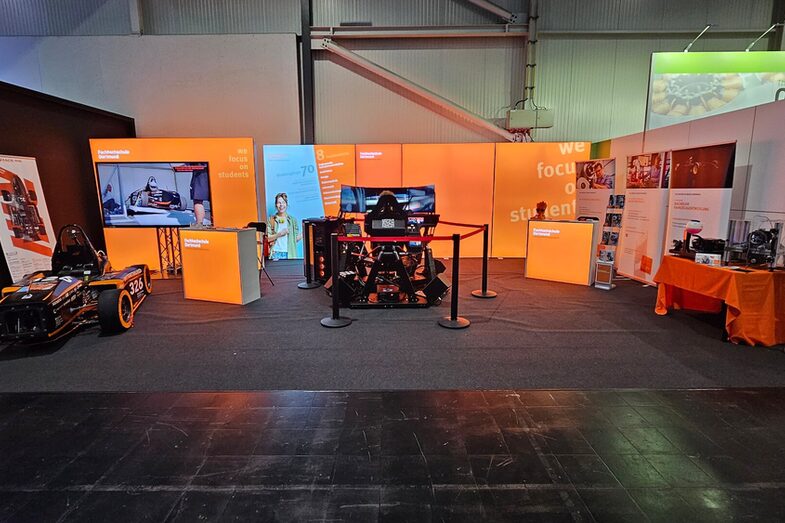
(399, 273)
(155, 194)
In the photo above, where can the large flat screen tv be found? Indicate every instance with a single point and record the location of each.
(154, 194)
(363, 199)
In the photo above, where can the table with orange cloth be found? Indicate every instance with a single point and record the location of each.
(755, 300)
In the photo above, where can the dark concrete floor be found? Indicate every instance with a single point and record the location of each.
(612, 455)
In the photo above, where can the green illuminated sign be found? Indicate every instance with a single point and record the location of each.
(718, 63)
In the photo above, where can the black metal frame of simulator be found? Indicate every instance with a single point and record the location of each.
(401, 272)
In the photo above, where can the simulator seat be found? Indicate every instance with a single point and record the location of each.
(74, 255)
(388, 218)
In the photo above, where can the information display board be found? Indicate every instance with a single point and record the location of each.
(27, 236)
(687, 86)
(166, 179)
(646, 208)
(701, 183)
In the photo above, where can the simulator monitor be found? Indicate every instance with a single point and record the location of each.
(364, 199)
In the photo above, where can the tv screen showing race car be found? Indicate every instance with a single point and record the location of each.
(363, 199)
(155, 194)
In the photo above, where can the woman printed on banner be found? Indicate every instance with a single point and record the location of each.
(283, 229)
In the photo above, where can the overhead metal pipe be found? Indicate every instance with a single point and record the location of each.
(419, 91)
(497, 10)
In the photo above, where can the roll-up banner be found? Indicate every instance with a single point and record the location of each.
(302, 181)
(594, 182)
(27, 237)
(646, 208)
(700, 189)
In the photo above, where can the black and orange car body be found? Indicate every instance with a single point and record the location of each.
(80, 289)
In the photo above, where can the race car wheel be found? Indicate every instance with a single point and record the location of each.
(148, 280)
(115, 310)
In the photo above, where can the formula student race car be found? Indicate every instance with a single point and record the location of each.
(152, 199)
(80, 289)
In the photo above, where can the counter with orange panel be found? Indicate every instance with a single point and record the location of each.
(220, 265)
(562, 251)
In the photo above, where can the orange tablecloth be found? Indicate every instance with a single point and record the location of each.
(755, 300)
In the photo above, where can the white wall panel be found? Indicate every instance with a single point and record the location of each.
(241, 85)
(766, 187)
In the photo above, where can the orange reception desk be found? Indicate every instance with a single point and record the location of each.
(220, 265)
(562, 251)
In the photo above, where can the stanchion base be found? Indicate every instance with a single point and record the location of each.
(306, 285)
(458, 323)
(332, 323)
(485, 295)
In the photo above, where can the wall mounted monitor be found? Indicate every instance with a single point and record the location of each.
(154, 194)
(364, 199)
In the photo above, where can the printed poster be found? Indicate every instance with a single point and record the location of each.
(643, 230)
(27, 236)
(701, 185)
(594, 180)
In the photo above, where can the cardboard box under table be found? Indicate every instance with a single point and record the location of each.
(220, 265)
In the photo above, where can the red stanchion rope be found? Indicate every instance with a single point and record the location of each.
(468, 234)
(456, 224)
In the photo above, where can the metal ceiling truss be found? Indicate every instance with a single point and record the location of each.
(459, 113)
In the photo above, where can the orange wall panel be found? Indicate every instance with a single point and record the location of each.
(231, 161)
(132, 246)
(335, 164)
(527, 173)
(463, 176)
(379, 165)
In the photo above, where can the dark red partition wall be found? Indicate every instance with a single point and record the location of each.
(56, 132)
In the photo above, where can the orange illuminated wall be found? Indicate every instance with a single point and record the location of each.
(232, 182)
(379, 165)
(335, 165)
(527, 173)
(560, 251)
(132, 246)
(231, 161)
(463, 176)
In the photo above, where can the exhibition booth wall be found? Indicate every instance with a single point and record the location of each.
(759, 184)
(498, 184)
(53, 134)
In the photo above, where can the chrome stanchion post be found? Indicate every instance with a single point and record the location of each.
(336, 320)
(308, 263)
(484, 292)
(454, 321)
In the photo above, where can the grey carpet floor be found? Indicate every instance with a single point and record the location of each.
(536, 334)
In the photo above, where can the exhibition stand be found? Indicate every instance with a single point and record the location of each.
(220, 265)
(562, 251)
(755, 299)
